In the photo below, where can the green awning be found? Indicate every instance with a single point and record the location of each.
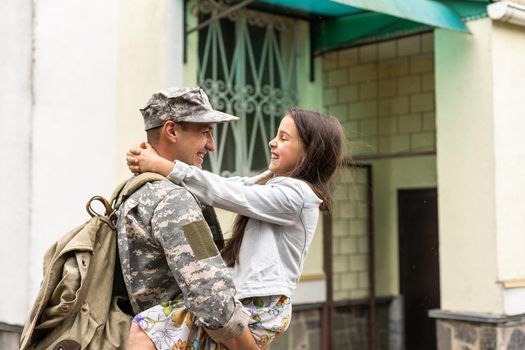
(343, 23)
(429, 12)
(356, 30)
(318, 7)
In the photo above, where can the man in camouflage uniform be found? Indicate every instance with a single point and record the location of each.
(165, 246)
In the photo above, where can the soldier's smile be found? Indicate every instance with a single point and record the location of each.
(200, 157)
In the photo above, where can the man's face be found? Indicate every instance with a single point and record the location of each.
(194, 140)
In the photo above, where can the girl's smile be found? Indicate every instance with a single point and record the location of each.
(286, 148)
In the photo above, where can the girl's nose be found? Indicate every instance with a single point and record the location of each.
(271, 143)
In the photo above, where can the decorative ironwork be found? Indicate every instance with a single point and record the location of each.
(247, 66)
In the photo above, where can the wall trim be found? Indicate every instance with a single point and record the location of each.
(5, 327)
(474, 317)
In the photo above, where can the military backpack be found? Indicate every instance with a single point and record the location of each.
(82, 302)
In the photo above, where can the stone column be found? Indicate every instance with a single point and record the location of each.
(480, 94)
(483, 332)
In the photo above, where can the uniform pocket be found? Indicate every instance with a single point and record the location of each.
(200, 240)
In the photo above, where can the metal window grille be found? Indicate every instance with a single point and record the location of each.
(247, 66)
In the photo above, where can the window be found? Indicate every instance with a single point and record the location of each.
(247, 67)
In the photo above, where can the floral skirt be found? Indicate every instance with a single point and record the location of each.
(171, 326)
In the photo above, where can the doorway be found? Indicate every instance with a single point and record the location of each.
(419, 265)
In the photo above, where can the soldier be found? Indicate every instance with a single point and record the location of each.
(166, 249)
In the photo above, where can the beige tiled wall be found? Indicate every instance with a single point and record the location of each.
(350, 241)
(384, 95)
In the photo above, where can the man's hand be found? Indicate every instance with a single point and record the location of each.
(245, 341)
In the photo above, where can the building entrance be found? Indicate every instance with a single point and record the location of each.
(419, 265)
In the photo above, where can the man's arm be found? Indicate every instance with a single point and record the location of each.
(207, 288)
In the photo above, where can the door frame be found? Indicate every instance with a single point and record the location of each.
(402, 267)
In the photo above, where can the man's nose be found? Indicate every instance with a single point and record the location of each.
(210, 144)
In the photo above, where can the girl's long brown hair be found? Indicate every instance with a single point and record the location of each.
(322, 138)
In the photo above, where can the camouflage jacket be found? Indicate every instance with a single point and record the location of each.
(166, 249)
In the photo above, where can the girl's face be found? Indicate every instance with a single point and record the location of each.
(286, 148)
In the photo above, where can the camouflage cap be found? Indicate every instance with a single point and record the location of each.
(181, 104)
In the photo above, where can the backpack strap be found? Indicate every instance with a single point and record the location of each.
(120, 194)
(118, 189)
(123, 191)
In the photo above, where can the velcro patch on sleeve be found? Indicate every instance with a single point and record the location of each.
(200, 240)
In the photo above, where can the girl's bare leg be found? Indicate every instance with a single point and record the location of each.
(138, 339)
(245, 341)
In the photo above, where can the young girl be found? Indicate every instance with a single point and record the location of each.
(276, 223)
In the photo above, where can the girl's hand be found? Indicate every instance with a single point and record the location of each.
(144, 158)
(132, 161)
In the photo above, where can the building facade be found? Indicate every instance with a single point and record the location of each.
(424, 247)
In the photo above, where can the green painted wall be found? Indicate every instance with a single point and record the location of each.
(467, 208)
(388, 177)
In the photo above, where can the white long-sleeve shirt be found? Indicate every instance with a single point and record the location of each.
(283, 217)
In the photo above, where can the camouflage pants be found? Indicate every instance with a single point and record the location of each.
(171, 326)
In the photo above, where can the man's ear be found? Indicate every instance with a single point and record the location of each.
(170, 131)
